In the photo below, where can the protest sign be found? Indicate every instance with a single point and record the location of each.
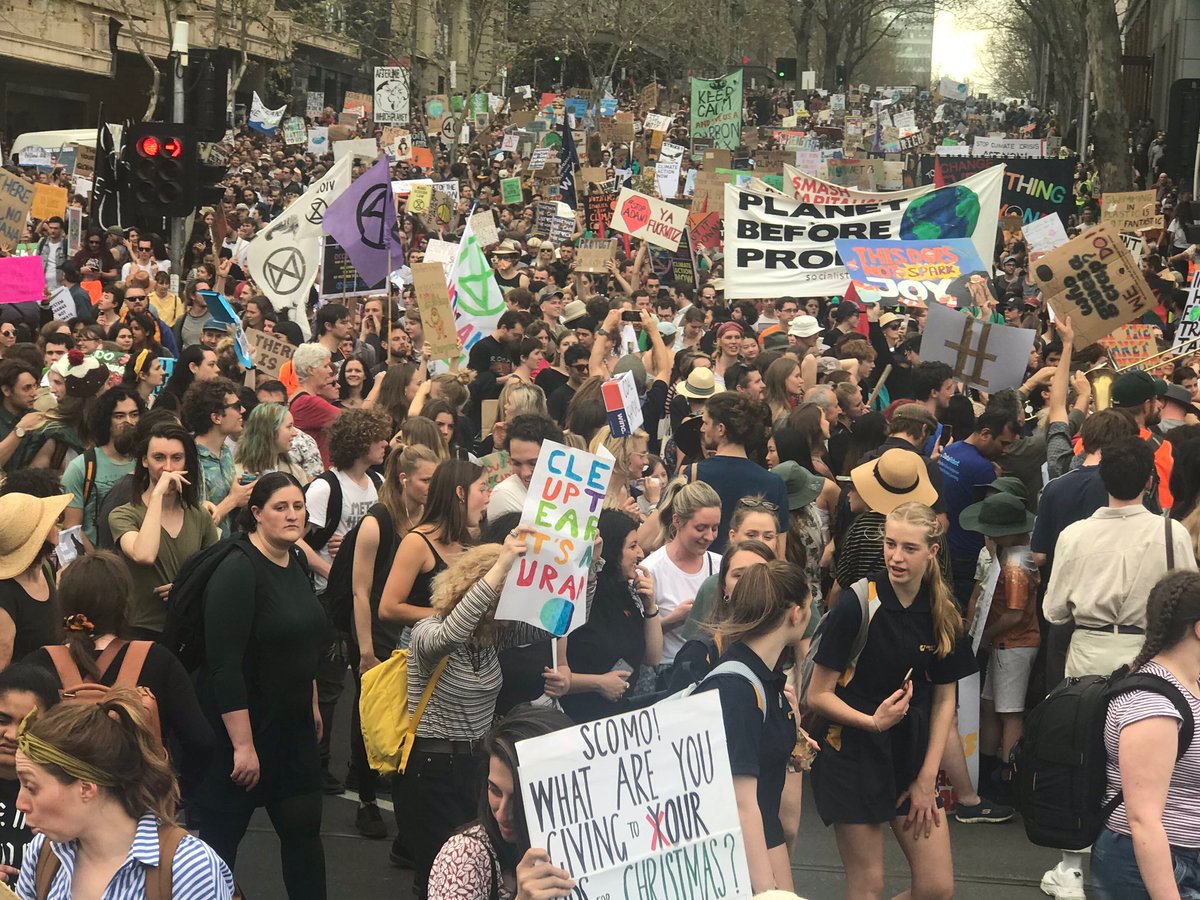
(1130, 211)
(74, 229)
(339, 278)
(666, 173)
(294, 132)
(1095, 280)
(982, 354)
(38, 157)
(314, 103)
(62, 305)
(1032, 187)
(433, 303)
(704, 230)
(48, 201)
(655, 122)
(318, 141)
(420, 198)
(510, 191)
(548, 585)
(21, 279)
(363, 148)
(777, 247)
(851, 173)
(1015, 148)
(916, 273)
(355, 100)
(16, 199)
(709, 193)
(85, 161)
(716, 110)
(1044, 234)
(952, 90)
(592, 255)
(683, 263)
(652, 220)
(391, 95)
(510, 143)
(1188, 327)
(622, 405)
(484, 225)
(397, 143)
(648, 96)
(598, 211)
(539, 158)
(639, 805)
(1130, 345)
(496, 467)
(271, 351)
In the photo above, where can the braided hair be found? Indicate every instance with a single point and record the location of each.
(1172, 608)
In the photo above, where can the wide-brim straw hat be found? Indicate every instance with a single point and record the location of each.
(25, 522)
(896, 477)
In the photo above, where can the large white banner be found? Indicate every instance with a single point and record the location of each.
(781, 247)
(639, 805)
(1009, 148)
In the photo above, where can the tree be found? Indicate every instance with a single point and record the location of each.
(1109, 127)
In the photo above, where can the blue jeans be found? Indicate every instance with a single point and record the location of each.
(1115, 873)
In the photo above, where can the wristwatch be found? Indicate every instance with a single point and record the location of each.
(19, 432)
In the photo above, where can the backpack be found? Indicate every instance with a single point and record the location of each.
(1059, 765)
(338, 596)
(317, 538)
(729, 667)
(77, 689)
(869, 603)
(183, 633)
(388, 729)
(158, 878)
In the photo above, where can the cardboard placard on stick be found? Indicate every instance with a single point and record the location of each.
(1130, 211)
(640, 216)
(48, 201)
(437, 316)
(593, 255)
(1095, 280)
(271, 351)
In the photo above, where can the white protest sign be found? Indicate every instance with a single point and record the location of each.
(365, 148)
(983, 606)
(484, 226)
(622, 405)
(444, 252)
(391, 95)
(538, 160)
(1021, 148)
(640, 216)
(1045, 234)
(639, 805)
(510, 143)
(548, 585)
(1188, 327)
(318, 140)
(35, 156)
(656, 122)
(62, 304)
(666, 171)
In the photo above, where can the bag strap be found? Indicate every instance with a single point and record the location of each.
(64, 665)
(333, 511)
(1170, 540)
(89, 473)
(48, 865)
(427, 693)
(131, 666)
(159, 878)
(868, 600)
(733, 667)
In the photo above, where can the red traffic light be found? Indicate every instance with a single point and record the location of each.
(148, 146)
(172, 147)
(151, 146)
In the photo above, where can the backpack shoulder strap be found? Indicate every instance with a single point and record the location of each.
(108, 654)
(868, 600)
(333, 510)
(376, 478)
(733, 667)
(1170, 540)
(159, 881)
(131, 666)
(89, 474)
(48, 865)
(68, 671)
(427, 693)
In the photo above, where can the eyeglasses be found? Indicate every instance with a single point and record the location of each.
(235, 405)
(756, 503)
(582, 368)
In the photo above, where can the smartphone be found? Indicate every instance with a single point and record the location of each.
(631, 315)
(946, 436)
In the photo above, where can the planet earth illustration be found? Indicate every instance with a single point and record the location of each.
(556, 615)
(950, 212)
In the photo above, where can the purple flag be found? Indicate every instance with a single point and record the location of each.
(363, 221)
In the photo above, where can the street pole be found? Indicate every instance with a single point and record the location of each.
(1087, 111)
(179, 48)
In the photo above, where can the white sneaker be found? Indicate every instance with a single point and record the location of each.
(1063, 884)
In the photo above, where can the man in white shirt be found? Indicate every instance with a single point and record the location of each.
(53, 251)
(524, 437)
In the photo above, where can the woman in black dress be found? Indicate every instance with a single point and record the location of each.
(264, 630)
(29, 616)
(623, 631)
(883, 718)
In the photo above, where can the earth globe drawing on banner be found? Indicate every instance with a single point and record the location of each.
(556, 615)
(949, 212)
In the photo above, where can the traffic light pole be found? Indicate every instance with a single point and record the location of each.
(179, 49)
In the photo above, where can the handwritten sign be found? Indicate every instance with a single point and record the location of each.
(271, 351)
(294, 131)
(656, 122)
(639, 804)
(484, 226)
(1096, 281)
(593, 255)
(641, 216)
(48, 201)
(1187, 329)
(548, 586)
(1131, 345)
(85, 161)
(496, 468)
(510, 191)
(22, 279)
(916, 273)
(716, 110)
(598, 211)
(16, 199)
(420, 198)
(433, 302)
(1130, 211)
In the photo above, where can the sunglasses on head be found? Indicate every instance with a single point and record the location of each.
(758, 503)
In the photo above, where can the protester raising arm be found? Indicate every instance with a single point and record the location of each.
(1059, 448)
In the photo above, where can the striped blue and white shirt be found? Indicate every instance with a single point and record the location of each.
(197, 873)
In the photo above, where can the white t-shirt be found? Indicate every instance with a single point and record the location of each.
(155, 266)
(673, 586)
(355, 503)
(507, 497)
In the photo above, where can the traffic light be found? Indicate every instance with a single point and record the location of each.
(785, 68)
(161, 163)
(211, 168)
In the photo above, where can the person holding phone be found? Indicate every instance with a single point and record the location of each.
(622, 633)
(883, 715)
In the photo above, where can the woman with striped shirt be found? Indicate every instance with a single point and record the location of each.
(1151, 845)
(441, 781)
(98, 791)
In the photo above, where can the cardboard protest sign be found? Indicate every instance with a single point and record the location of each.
(391, 95)
(85, 161)
(709, 193)
(983, 355)
(1188, 327)
(648, 96)
(16, 199)
(704, 230)
(1095, 280)
(780, 247)
(1130, 211)
(271, 351)
(655, 122)
(48, 201)
(1131, 345)
(433, 302)
(484, 225)
(21, 279)
(598, 211)
(548, 585)
(592, 255)
(916, 273)
(652, 220)
(645, 798)
(510, 191)
(716, 110)
(496, 467)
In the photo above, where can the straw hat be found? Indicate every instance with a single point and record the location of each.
(25, 522)
(898, 476)
(700, 385)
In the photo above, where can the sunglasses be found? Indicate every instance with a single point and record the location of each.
(582, 368)
(8, 333)
(756, 503)
(237, 405)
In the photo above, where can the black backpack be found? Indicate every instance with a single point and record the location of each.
(317, 538)
(338, 596)
(1059, 766)
(183, 633)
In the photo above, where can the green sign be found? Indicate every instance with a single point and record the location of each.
(717, 110)
(510, 191)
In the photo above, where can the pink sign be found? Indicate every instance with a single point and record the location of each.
(22, 279)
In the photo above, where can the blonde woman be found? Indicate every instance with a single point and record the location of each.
(517, 398)
(883, 717)
(631, 454)
(784, 387)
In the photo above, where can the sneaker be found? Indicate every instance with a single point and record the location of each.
(330, 785)
(984, 812)
(1063, 884)
(369, 822)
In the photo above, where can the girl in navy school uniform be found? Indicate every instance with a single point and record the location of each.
(883, 721)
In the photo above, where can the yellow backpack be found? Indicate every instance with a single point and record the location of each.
(388, 729)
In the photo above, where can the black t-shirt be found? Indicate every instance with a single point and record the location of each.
(489, 355)
(14, 833)
(757, 749)
(558, 402)
(38, 622)
(550, 380)
(615, 632)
